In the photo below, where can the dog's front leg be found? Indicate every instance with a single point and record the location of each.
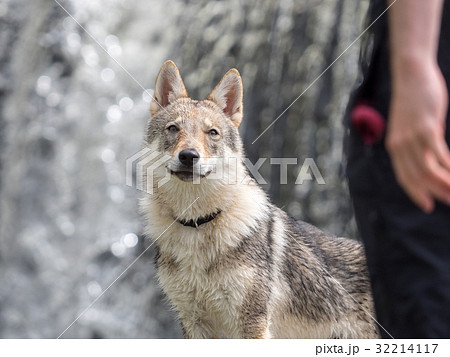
(197, 328)
(255, 316)
(256, 328)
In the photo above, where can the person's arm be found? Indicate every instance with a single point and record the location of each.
(416, 127)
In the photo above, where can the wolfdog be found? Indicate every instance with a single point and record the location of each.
(231, 263)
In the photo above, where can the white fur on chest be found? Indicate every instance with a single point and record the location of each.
(204, 282)
(212, 296)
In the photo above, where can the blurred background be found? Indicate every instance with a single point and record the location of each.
(70, 116)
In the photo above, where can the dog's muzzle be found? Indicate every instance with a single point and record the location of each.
(188, 167)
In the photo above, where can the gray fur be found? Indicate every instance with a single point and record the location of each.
(251, 272)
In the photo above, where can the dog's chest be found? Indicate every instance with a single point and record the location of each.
(207, 289)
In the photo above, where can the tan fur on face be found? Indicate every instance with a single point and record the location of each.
(251, 272)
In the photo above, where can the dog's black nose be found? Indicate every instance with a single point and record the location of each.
(187, 156)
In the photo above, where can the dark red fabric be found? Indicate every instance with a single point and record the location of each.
(368, 123)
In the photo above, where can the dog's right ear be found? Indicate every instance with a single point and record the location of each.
(228, 96)
(168, 88)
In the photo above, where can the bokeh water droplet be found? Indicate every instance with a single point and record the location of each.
(43, 85)
(89, 55)
(107, 74)
(118, 249)
(114, 114)
(126, 104)
(108, 156)
(94, 289)
(147, 95)
(130, 240)
(53, 99)
(116, 194)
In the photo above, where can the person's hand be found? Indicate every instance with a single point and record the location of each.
(416, 134)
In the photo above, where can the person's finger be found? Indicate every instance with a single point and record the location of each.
(428, 165)
(438, 145)
(434, 177)
(407, 176)
(430, 175)
(437, 178)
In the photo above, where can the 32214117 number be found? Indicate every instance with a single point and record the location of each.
(405, 348)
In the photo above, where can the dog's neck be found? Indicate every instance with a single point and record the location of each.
(242, 207)
(195, 223)
(186, 202)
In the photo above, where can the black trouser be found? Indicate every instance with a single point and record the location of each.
(408, 251)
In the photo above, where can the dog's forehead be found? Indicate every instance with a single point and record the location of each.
(197, 112)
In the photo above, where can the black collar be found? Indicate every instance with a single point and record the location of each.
(199, 221)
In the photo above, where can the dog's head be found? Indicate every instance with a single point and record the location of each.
(197, 135)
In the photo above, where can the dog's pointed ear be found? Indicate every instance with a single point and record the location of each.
(228, 96)
(168, 88)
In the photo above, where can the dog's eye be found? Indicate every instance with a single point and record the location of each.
(213, 132)
(173, 128)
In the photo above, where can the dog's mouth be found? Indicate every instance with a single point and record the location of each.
(188, 175)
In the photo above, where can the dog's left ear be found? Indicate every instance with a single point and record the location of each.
(228, 96)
